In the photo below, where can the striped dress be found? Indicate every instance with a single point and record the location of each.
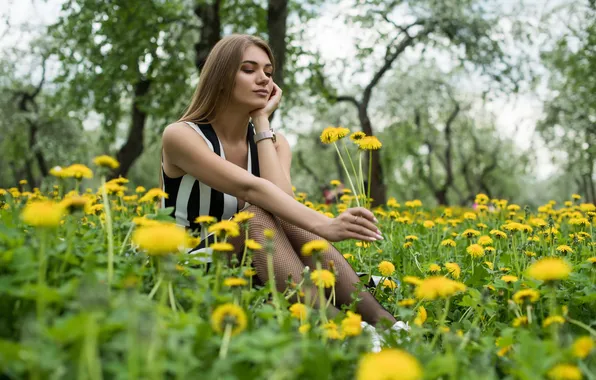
(191, 198)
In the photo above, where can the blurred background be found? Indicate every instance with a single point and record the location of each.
(467, 96)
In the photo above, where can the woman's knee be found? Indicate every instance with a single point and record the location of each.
(261, 217)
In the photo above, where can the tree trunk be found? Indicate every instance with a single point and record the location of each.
(132, 149)
(210, 30)
(277, 16)
(377, 185)
(441, 197)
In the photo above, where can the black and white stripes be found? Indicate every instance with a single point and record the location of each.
(192, 198)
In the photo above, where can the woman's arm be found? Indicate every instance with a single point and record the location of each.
(185, 149)
(274, 159)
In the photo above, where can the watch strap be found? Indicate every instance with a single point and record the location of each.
(264, 135)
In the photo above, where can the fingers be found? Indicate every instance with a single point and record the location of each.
(364, 233)
(365, 213)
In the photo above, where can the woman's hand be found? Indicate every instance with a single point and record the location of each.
(271, 105)
(354, 223)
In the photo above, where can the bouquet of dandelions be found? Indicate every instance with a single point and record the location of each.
(332, 135)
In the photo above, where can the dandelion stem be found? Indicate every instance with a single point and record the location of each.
(369, 178)
(343, 164)
(171, 296)
(223, 350)
(441, 323)
(271, 276)
(583, 326)
(106, 205)
(41, 277)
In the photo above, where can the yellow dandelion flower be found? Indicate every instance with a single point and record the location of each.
(407, 302)
(498, 234)
(469, 216)
(252, 245)
(509, 278)
(314, 246)
(434, 268)
(299, 311)
(475, 250)
(348, 256)
(331, 331)
(356, 136)
(369, 143)
(335, 182)
(390, 363)
(552, 320)
(453, 269)
(388, 283)
(234, 281)
(408, 244)
(489, 264)
(269, 233)
(322, 277)
(160, 239)
(412, 280)
(152, 195)
(526, 295)
(470, 233)
(43, 214)
(421, 316)
(564, 249)
(582, 346)
(225, 227)
(504, 351)
(205, 219)
(438, 287)
(75, 203)
(386, 268)
(304, 329)
(228, 315)
(576, 196)
(485, 240)
(351, 325)
(549, 269)
(565, 372)
(222, 247)
(428, 224)
(243, 216)
(140, 189)
(448, 243)
(520, 321)
(481, 198)
(329, 135)
(106, 162)
(411, 238)
(77, 171)
(249, 272)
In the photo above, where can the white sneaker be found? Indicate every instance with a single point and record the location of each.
(375, 338)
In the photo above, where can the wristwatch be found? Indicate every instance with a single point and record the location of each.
(270, 134)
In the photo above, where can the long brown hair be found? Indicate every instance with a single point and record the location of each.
(217, 77)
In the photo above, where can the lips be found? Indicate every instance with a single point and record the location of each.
(262, 92)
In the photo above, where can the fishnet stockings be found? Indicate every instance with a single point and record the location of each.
(287, 262)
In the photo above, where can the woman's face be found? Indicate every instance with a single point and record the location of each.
(254, 81)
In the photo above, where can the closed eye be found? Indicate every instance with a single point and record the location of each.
(269, 75)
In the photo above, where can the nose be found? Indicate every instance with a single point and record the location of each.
(263, 78)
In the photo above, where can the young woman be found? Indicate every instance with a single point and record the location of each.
(217, 162)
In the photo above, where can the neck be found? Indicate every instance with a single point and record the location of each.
(231, 125)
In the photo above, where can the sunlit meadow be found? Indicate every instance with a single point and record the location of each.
(95, 283)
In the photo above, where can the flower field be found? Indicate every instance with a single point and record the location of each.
(94, 284)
